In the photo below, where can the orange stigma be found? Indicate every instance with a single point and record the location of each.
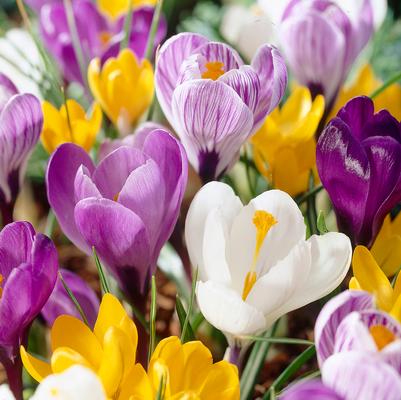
(213, 70)
(381, 335)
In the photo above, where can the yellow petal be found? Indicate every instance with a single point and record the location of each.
(71, 332)
(64, 358)
(142, 389)
(371, 278)
(75, 110)
(297, 105)
(159, 375)
(396, 309)
(55, 130)
(38, 369)
(354, 284)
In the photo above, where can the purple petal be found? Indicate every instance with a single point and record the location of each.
(272, 72)
(60, 180)
(220, 52)
(331, 316)
(7, 90)
(211, 119)
(84, 186)
(344, 170)
(357, 376)
(168, 68)
(59, 303)
(111, 174)
(120, 239)
(310, 390)
(21, 122)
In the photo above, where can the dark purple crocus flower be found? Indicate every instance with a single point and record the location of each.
(321, 42)
(213, 101)
(359, 163)
(98, 35)
(28, 273)
(126, 207)
(21, 121)
(349, 376)
(60, 303)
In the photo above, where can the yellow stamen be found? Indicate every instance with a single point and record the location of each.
(105, 37)
(381, 335)
(1, 281)
(116, 196)
(213, 70)
(263, 222)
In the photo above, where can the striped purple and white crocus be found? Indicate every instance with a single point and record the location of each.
(21, 121)
(213, 101)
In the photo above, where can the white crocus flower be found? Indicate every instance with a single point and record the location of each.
(75, 383)
(5, 392)
(254, 262)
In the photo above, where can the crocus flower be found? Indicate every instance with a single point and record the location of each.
(75, 383)
(109, 350)
(365, 84)
(285, 146)
(369, 276)
(359, 163)
(70, 124)
(254, 262)
(350, 322)
(387, 247)
(117, 7)
(212, 100)
(349, 376)
(98, 36)
(126, 207)
(188, 372)
(21, 121)
(28, 271)
(117, 82)
(60, 303)
(321, 42)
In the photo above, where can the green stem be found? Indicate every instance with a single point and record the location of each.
(279, 340)
(127, 27)
(382, 88)
(152, 319)
(308, 194)
(190, 306)
(248, 173)
(153, 30)
(50, 224)
(311, 208)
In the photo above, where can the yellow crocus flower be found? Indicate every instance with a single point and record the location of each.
(387, 246)
(114, 8)
(109, 350)
(186, 372)
(124, 88)
(368, 276)
(365, 84)
(70, 124)
(285, 146)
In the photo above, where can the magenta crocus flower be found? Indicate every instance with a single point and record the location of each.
(359, 163)
(60, 303)
(28, 272)
(99, 36)
(321, 42)
(349, 376)
(21, 121)
(126, 207)
(213, 101)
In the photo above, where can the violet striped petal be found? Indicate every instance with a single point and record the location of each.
(60, 180)
(331, 316)
(310, 390)
(168, 68)
(357, 376)
(21, 122)
(222, 53)
(7, 90)
(213, 122)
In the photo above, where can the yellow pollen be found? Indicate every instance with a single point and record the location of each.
(54, 392)
(263, 222)
(213, 70)
(381, 335)
(105, 37)
(116, 196)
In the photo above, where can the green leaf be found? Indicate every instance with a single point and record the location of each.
(191, 303)
(153, 29)
(321, 224)
(182, 316)
(278, 340)
(152, 319)
(103, 280)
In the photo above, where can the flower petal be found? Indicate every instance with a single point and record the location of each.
(310, 390)
(7, 90)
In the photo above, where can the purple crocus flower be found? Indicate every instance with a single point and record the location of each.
(359, 163)
(321, 42)
(126, 207)
(28, 272)
(349, 322)
(99, 36)
(214, 101)
(21, 121)
(350, 376)
(60, 303)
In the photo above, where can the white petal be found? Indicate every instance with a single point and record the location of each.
(226, 310)
(5, 392)
(211, 196)
(289, 230)
(75, 383)
(277, 286)
(274, 9)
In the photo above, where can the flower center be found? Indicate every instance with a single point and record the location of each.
(105, 37)
(263, 222)
(381, 335)
(1, 282)
(213, 70)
